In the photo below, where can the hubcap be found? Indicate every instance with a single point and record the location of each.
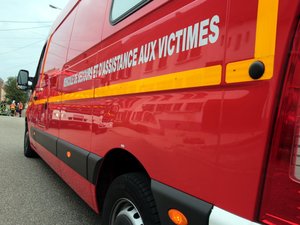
(125, 213)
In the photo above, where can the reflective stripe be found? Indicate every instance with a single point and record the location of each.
(206, 76)
(239, 71)
(41, 101)
(78, 95)
(54, 99)
(221, 217)
(265, 42)
(201, 77)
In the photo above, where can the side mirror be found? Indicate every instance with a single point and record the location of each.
(22, 80)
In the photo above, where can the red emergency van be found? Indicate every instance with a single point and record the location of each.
(172, 111)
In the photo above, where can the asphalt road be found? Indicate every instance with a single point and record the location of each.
(30, 192)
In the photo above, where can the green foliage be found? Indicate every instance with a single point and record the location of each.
(12, 92)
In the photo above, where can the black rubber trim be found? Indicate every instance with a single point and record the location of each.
(196, 210)
(83, 162)
(94, 163)
(48, 141)
(78, 159)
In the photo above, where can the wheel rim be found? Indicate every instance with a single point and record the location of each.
(125, 213)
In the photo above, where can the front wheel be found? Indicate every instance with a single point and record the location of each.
(129, 201)
(28, 151)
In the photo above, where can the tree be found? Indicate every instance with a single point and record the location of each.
(12, 92)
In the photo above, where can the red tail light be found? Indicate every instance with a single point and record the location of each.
(281, 198)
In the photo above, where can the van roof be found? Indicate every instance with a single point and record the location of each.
(63, 15)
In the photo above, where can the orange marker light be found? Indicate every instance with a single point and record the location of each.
(177, 217)
(69, 154)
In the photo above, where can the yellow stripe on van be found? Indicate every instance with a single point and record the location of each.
(40, 101)
(265, 42)
(266, 28)
(187, 79)
(238, 71)
(54, 99)
(78, 95)
(206, 76)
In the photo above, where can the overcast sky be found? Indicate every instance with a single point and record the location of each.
(21, 41)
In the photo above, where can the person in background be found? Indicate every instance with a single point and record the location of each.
(20, 107)
(13, 108)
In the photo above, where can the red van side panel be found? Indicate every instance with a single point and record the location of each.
(185, 105)
(211, 141)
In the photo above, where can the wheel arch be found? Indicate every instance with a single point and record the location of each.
(115, 163)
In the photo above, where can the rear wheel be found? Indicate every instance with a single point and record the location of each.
(28, 151)
(129, 201)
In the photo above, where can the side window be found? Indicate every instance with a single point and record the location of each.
(87, 29)
(121, 9)
(39, 67)
(58, 47)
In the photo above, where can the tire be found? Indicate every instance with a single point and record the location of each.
(129, 201)
(28, 151)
